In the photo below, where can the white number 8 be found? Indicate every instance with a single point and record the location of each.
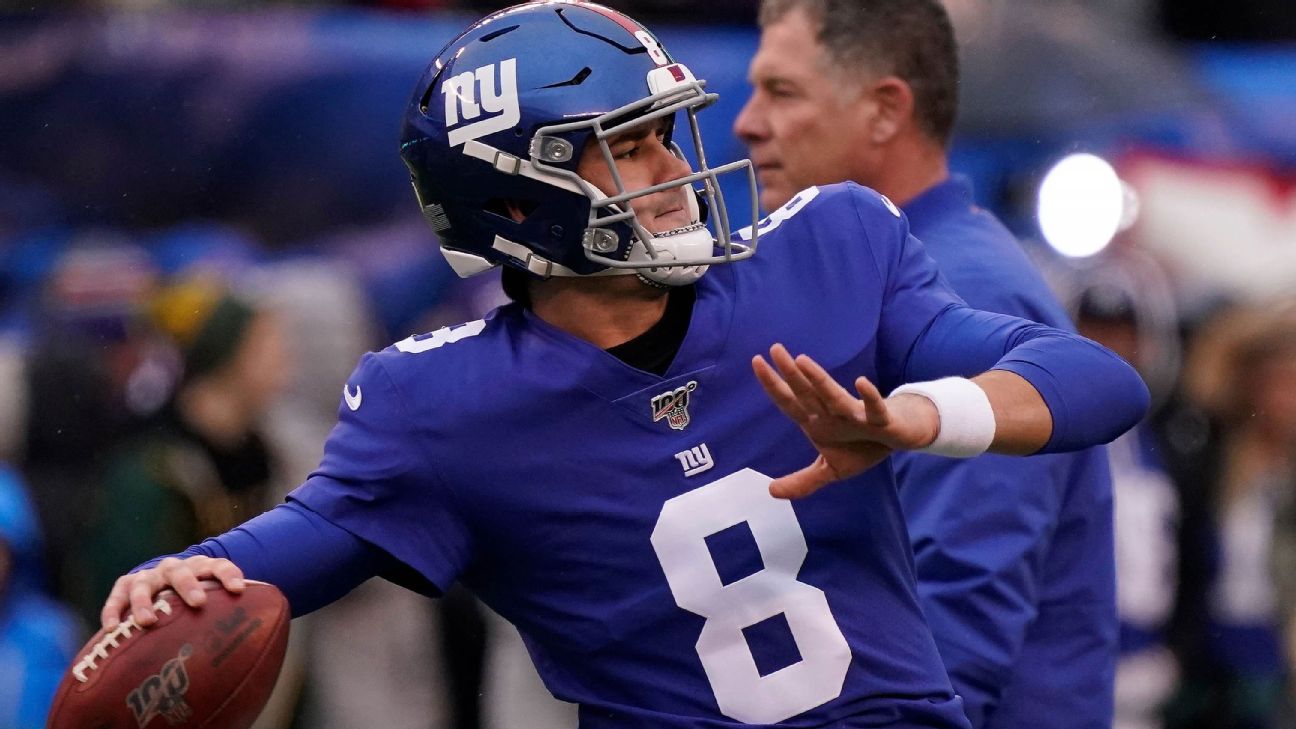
(790, 208)
(680, 541)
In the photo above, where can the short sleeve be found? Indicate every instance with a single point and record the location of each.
(375, 480)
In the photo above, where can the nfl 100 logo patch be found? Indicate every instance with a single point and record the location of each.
(163, 693)
(673, 406)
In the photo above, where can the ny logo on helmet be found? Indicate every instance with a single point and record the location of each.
(463, 100)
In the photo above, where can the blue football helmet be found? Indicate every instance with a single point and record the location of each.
(496, 127)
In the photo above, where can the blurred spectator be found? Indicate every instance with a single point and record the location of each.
(13, 398)
(1242, 372)
(1125, 305)
(38, 636)
(1284, 570)
(203, 248)
(92, 374)
(352, 648)
(201, 466)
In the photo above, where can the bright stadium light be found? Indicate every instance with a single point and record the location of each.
(1082, 205)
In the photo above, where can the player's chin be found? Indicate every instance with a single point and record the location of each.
(668, 222)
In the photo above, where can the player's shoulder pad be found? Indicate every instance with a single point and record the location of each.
(846, 204)
(853, 193)
(424, 363)
(868, 202)
(438, 339)
(834, 206)
(882, 223)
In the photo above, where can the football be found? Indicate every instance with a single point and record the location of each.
(210, 667)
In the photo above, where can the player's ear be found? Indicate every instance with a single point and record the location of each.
(893, 101)
(516, 210)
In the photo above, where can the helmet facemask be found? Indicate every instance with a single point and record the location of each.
(614, 236)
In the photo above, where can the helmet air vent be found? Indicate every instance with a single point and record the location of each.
(495, 34)
(576, 80)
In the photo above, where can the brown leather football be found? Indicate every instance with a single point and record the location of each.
(210, 667)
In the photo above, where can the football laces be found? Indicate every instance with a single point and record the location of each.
(112, 639)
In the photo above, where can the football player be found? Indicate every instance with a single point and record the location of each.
(597, 460)
(1014, 556)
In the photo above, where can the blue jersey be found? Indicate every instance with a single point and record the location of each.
(1015, 559)
(622, 520)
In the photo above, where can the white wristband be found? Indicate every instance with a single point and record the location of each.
(967, 422)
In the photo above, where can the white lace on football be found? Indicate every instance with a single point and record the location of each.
(111, 639)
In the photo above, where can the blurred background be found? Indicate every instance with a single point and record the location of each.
(204, 223)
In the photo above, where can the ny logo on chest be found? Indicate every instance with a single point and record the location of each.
(695, 460)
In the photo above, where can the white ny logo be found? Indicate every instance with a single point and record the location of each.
(695, 460)
(462, 99)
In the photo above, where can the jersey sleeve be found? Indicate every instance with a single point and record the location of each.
(914, 292)
(1092, 394)
(311, 560)
(926, 332)
(377, 482)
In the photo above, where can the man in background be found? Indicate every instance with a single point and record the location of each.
(1014, 556)
(1124, 302)
(202, 465)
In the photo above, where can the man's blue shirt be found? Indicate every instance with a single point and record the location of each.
(1014, 556)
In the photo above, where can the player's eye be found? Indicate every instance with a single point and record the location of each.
(627, 153)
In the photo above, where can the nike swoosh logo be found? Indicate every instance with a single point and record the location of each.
(352, 401)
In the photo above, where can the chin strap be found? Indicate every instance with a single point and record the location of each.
(468, 264)
(692, 242)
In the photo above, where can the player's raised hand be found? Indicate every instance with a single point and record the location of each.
(138, 590)
(852, 433)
